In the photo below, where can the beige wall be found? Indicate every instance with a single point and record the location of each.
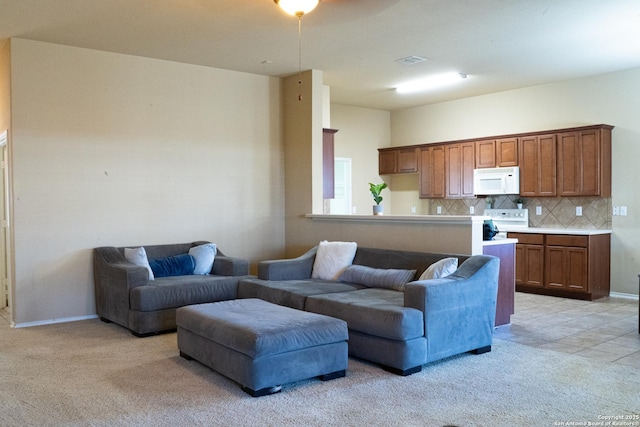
(609, 98)
(118, 150)
(360, 132)
(5, 85)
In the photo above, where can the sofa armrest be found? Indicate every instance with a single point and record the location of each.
(230, 266)
(288, 269)
(459, 310)
(113, 278)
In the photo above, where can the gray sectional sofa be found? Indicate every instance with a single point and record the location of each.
(401, 330)
(125, 294)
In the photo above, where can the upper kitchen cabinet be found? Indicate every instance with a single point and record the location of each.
(537, 165)
(507, 152)
(459, 165)
(584, 162)
(397, 160)
(485, 153)
(491, 153)
(432, 172)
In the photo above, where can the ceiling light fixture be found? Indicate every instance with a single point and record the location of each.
(431, 82)
(298, 8)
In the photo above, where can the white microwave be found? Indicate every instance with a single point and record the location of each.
(492, 181)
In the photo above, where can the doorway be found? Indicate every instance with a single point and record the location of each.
(341, 203)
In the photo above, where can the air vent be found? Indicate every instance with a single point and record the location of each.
(410, 60)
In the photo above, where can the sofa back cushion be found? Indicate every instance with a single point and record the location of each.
(406, 260)
(387, 278)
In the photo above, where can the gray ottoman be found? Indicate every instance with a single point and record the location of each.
(262, 345)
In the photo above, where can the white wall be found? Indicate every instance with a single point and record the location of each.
(610, 98)
(117, 150)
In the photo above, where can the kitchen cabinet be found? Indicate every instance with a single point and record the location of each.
(493, 153)
(397, 160)
(485, 153)
(529, 259)
(507, 152)
(432, 172)
(459, 165)
(537, 165)
(565, 265)
(328, 164)
(584, 162)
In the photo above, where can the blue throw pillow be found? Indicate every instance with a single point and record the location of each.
(179, 265)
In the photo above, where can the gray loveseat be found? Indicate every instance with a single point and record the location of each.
(399, 329)
(125, 294)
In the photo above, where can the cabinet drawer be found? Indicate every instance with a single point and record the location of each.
(527, 238)
(567, 240)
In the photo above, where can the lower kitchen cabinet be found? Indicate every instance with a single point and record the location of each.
(565, 265)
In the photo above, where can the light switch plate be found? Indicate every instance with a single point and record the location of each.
(578, 210)
(616, 210)
(439, 210)
(538, 210)
(623, 211)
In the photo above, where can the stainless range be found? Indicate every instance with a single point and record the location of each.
(508, 220)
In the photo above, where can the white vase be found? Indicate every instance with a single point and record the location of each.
(378, 209)
(519, 205)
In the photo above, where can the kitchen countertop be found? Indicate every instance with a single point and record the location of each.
(499, 242)
(574, 231)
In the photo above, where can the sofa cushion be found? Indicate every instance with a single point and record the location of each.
(443, 268)
(332, 258)
(389, 278)
(204, 256)
(138, 256)
(378, 312)
(176, 291)
(178, 265)
(290, 293)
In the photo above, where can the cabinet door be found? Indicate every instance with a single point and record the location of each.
(537, 165)
(530, 265)
(507, 152)
(387, 162)
(432, 172)
(459, 163)
(579, 163)
(566, 268)
(468, 164)
(534, 265)
(407, 160)
(485, 154)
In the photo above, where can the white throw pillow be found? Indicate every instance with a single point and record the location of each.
(138, 256)
(442, 268)
(332, 258)
(204, 256)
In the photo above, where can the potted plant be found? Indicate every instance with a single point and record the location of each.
(488, 200)
(375, 190)
(518, 202)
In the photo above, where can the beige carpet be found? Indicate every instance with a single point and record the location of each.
(92, 374)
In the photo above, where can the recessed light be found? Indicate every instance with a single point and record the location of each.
(431, 82)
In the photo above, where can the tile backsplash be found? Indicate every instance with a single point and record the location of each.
(557, 212)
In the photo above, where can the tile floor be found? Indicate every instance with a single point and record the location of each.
(606, 329)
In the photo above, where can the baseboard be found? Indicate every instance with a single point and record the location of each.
(52, 321)
(621, 295)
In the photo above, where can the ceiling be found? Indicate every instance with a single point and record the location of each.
(499, 44)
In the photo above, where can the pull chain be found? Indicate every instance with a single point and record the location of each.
(299, 56)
